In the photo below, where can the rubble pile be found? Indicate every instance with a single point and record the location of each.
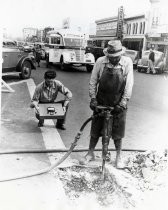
(125, 189)
(81, 181)
(149, 168)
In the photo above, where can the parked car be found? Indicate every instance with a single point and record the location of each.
(134, 55)
(28, 48)
(96, 51)
(15, 60)
(160, 62)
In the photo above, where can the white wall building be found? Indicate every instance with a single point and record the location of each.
(134, 33)
(29, 32)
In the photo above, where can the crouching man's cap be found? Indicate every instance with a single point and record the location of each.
(50, 74)
(114, 49)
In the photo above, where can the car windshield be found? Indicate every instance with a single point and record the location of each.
(74, 42)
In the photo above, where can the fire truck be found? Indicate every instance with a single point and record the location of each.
(67, 48)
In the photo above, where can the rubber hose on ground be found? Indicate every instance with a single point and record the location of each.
(43, 171)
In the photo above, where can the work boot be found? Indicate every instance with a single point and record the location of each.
(40, 123)
(87, 158)
(60, 126)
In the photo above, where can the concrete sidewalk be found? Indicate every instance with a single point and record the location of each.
(19, 131)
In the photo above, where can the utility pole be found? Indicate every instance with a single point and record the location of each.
(120, 23)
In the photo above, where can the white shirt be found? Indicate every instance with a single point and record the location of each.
(127, 66)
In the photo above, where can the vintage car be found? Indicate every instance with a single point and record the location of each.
(160, 62)
(15, 60)
(28, 47)
(96, 51)
(134, 55)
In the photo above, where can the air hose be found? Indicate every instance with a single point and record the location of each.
(43, 171)
(36, 151)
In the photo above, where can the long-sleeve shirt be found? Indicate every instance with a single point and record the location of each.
(45, 94)
(127, 67)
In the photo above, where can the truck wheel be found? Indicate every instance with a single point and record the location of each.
(89, 68)
(25, 70)
(139, 69)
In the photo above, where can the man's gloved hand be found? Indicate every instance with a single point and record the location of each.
(118, 109)
(93, 104)
(32, 105)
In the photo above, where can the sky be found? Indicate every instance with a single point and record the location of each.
(17, 14)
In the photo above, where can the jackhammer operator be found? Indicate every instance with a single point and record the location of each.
(110, 85)
(46, 92)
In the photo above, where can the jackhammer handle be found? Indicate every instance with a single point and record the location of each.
(104, 108)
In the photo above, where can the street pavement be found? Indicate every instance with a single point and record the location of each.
(146, 128)
(147, 116)
(19, 131)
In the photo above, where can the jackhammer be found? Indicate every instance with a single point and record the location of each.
(106, 112)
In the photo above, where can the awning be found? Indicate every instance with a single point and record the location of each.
(103, 37)
(132, 39)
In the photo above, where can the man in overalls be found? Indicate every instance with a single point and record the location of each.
(110, 85)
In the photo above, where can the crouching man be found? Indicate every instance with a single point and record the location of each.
(46, 92)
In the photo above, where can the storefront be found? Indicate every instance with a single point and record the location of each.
(106, 30)
(159, 43)
(100, 41)
(134, 43)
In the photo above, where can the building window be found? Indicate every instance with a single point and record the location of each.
(143, 31)
(133, 32)
(55, 40)
(136, 28)
(47, 40)
(130, 29)
(140, 29)
(127, 28)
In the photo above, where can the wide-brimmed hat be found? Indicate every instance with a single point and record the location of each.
(114, 49)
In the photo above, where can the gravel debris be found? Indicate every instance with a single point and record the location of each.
(145, 173)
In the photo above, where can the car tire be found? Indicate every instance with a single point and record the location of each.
(89, 68)
(139, 69)
(25, 70)
(161, 71)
